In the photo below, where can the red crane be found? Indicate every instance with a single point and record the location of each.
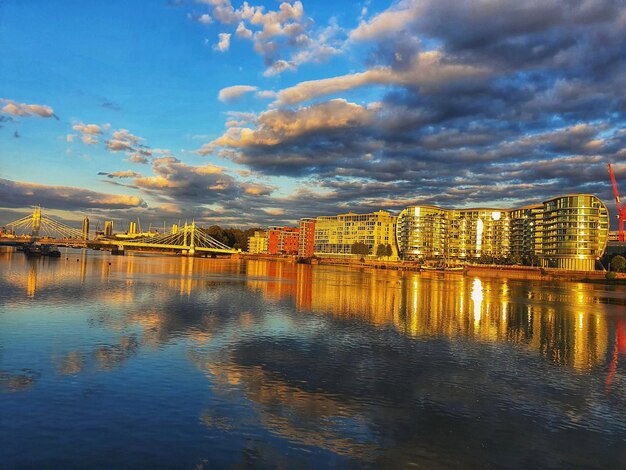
(621, 210)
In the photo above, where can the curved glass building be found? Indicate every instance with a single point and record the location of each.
(567, 232)
(421, 232)
(574, 231)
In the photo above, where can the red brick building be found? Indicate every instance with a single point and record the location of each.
(282, 240)
(306, 242)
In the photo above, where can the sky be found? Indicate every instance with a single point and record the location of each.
(254, 114)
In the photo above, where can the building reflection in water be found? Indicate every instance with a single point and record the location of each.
(435, 304)
(566, 324)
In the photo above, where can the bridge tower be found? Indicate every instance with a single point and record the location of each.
(192, 242)
(86, 228)
(36, 222)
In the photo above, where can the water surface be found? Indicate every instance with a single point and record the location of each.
(159, 361)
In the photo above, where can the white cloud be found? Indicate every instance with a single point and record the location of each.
(234, 92)
(276, 125)
(279, 67)
(388, 22)
(115, 145)
(429, 71)
(224, 42)
(242, 31)
(265, 94)
(89, 139)
(205, 19)
(138, 158)
(274, 210)
(276, 34)
(22, 109)
(125, 136)
(91, 129)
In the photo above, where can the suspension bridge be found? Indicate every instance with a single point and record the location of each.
(189, 239)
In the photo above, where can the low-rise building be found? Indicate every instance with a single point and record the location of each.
(336, 235)
(257, 243)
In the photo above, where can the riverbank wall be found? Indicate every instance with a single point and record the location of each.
(509, 272)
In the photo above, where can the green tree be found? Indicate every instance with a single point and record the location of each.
(618, 264)
(388, 250)
(359, 248)
(219, 234)
(381, 251)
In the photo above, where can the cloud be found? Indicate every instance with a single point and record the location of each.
(123, 174)
(242, 31)
(430, 71)
(274, 210)
(120, 140)
(89, 139)
(22, 194)
(257, 189)
(24, 110)
(5, 119)
(123, 141)
(277, 125)
(472, 99)
(197, 186)
(91, 129)
(285, 38)
(232, 93)
(205, 19)
(388, 22)
(265, 94)
(279, 67)
(138, 158)
(224, 43)
(125, 136)
(87, 132)
(115, 145)
(111, 105)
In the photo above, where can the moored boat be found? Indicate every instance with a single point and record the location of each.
(50, 250)
(32, 249)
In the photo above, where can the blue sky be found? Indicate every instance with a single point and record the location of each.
(246, 113)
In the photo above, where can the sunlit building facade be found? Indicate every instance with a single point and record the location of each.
(421, 232)
(567, 232)
(306, 241)
(575, 231)
(474, 233)
(335, 235)
(282, 240)
(257, 243)
(527, 232)
(429, 232)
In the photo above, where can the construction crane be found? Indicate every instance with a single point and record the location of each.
(621, 210)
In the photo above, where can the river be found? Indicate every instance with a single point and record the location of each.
(159, 361)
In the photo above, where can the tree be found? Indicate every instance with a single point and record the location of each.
(359, 248)
(221, 235)
(381, 251)
(233, 237)
(618, 264)
(388, 250)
